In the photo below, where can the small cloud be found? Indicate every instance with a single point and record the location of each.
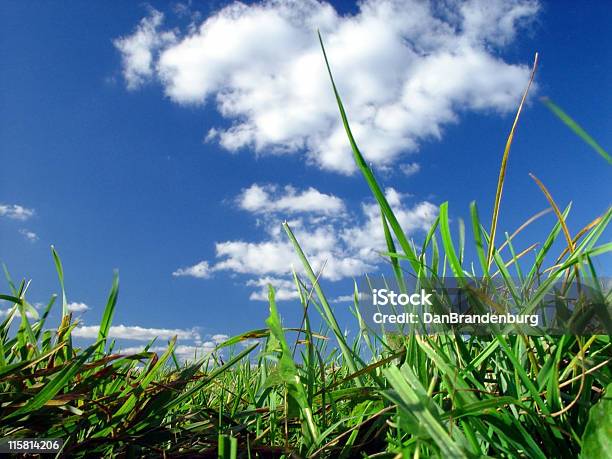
(343, 299)
(348, 298)
(270, 199)
(200, 271)
(219, 338)
(136, 333)
(283, 289)
(410, 169)
(29, 235)
(77, 307)
(16, 212)
(29, 314)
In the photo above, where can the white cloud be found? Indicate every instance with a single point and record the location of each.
(343, 299)
(269, 199)
(135, 332)
(16, 212)
(409, 169)
(267, 257)
(405, 68)
(369, 239)
(28, 235)
(219, 338)
(200, 271)
(138, 50)
(29, 314)
(339, 246)
(347, 298)
(182, 351)
(77, 307)
(284, 289)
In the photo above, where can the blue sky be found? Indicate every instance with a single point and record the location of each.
(154, 138)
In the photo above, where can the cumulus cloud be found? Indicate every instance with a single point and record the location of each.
(200, 270)
(138, 49)
(135, 332)
(368, 239)
(77, 307)
(405, 69)
(269, 199)
(338, 246)
(29, 235)
(16, 212)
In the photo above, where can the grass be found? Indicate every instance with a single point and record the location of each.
(313, 393)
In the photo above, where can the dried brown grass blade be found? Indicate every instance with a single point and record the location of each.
(502, 169)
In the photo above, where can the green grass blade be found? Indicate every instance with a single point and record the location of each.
(107, 317)
(575, 127)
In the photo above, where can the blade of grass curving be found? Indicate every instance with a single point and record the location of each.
(447, 242)
(144, 381)
(578, 235)
(541, 255)
(213, 375)
(369, 176)
(461, 240)
(107, 317)
(553, 204)
(289, 372)
(11, 284)
(504, 163)
(60, 274)
(54, 386)
(569, 122)
(395, 264)
(476, 229)
(349, 356)
(515, 258)
(39, 326)
(411, 404)
(524, 225)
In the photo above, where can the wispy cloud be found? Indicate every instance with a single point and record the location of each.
(16, 212)
(28, 235)
(409, 169)
(405, 68)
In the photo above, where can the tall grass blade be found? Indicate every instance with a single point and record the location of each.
(504, 163)
(569, 122)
